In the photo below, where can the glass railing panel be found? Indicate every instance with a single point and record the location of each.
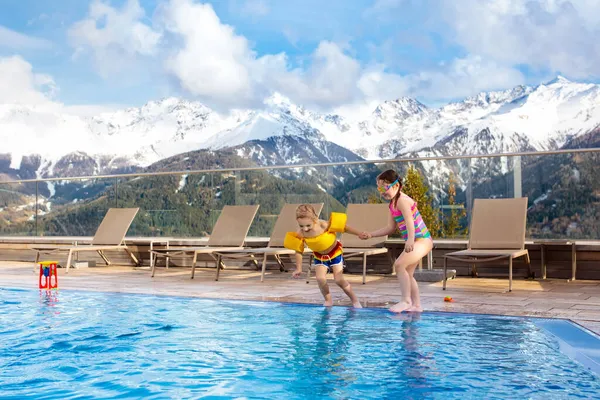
(562, 190)
(564, 195)
(77, 206)
(272, 188)
(177, 205)
(18, 208)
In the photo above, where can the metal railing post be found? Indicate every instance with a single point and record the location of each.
(37, 193)
(517, 177)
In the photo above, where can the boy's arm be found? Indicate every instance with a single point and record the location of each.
(295, 241)
(298, 270)
(352, 230)
(298, 259)
(324, 225)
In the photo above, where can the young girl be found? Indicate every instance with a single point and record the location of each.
(320, 237)
(404, 215)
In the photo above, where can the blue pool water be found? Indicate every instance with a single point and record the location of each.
(104, 345)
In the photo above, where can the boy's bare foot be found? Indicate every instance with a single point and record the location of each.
(328, 303)
(415, 309)
(402, 306)
(356, 305)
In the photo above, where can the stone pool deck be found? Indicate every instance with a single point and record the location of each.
(578, 301)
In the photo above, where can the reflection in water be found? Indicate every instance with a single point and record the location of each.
(49, 302)
(411, 362)
(49, 297)
(332, 352)
(320, 352)
(137, 346)
(331, 345)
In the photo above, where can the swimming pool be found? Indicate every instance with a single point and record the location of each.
(106, 345)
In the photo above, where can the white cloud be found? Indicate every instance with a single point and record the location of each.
(258, 8)
(463, 77)
(92, 110)
(378, 84)
(20, 85)
(219, 66)
(381, 8)
(330, 80)
(211, 61)
(114, 36)
(559, 35)
(17, 41)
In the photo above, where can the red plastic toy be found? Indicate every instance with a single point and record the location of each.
(48, 275)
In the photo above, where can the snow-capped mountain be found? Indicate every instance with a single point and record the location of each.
(522, 118)
(539, 118)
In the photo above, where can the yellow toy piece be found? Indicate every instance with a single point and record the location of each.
(48, 263)
(293, 241)
(337, 222)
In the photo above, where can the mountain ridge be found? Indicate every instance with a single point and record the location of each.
(521, 118)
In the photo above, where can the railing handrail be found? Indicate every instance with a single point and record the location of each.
(317, 165)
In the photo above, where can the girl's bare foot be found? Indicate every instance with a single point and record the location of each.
(402, 306)
(356, 305)
(328, 303)
(415, 309)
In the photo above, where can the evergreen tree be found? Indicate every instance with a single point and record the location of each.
(374, 198)
(452, 226)
(414, 187)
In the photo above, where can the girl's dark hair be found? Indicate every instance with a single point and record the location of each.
(390, 176)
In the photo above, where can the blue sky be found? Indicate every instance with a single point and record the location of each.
(324, 54)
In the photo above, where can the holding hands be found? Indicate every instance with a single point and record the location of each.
(365, 235)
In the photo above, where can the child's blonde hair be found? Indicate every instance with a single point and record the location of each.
(306, 211)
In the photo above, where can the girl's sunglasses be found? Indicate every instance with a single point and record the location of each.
(383, 189)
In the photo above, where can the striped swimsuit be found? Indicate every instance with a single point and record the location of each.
(335, 257)
(421, 231)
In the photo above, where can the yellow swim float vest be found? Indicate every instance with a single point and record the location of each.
(320, 243)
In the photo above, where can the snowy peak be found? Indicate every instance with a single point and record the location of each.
(563, 90)
(277, 100)
(547, 116)
(488, 101)
(541, 117)
(401, 108)
(558, 80)
(165, 111)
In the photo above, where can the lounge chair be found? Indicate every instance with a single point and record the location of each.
(109, 236)
(286, 221)
(497, 232)
(229, 233)
(365, 217)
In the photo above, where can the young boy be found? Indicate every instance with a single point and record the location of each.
(320, 236)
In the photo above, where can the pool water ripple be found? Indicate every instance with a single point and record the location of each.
(105, 345)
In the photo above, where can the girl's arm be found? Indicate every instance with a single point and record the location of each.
(386, 230)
